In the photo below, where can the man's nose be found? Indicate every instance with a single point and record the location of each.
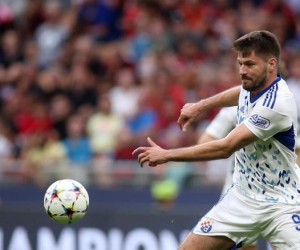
(243, 70)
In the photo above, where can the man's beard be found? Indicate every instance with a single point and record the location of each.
(258, 84)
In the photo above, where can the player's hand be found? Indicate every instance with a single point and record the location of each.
(153, 155)
(188, 115)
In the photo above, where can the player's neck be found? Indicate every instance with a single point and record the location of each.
(267, 84)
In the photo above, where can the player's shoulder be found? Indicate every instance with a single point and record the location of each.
(278, 95)
(283, 87)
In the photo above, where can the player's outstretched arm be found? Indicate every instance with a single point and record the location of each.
(154, 155)
(191, 111)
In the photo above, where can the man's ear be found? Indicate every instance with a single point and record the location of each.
(272, 64)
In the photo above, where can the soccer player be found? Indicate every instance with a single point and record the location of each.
(264, 200)
(220, 126)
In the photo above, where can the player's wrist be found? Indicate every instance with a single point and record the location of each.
(202, 106)
(169, 155)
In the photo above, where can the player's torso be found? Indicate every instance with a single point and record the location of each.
(265, 170)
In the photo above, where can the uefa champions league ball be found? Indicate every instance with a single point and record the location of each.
(66, 201)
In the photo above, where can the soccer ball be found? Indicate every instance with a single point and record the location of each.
(66, 201)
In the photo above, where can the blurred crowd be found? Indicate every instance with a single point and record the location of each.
(85, 81)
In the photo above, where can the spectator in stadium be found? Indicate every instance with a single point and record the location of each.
(78, 149)
(52, 34)
(77, 144)
(6, 140)
(100, 19)
(104, 128)
(60, 110)
(124, 94)
(44, 158)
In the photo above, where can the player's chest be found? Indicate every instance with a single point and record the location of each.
(245, 109)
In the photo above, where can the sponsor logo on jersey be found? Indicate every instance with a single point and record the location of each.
(259, 121)
(206, 225)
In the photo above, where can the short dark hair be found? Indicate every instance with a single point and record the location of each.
(263, 43)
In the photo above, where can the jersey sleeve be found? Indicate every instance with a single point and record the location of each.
(223, 123)
(265, 122)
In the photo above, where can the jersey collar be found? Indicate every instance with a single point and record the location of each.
(265, 90)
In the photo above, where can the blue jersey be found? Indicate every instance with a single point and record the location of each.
(266, 170)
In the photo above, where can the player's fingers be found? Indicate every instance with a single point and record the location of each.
(182, 121)
(179, 124)
(152, 143)
(186, 126)
(143, 158)
(138, 150)
(179, 121)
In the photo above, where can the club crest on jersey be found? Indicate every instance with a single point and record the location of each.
(259, 121)
(206, 225)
